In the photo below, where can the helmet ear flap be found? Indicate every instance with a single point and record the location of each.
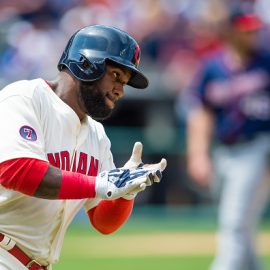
(85, 70)
(86, 64)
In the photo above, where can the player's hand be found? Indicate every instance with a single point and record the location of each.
(135, 162)
(119, 182)
(200, 169)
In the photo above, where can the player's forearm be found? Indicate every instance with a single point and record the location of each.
(199, 132)
(59, 184)
(50, 184)
(109, 216)
(39, 179)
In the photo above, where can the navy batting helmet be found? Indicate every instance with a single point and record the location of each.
(88, 50)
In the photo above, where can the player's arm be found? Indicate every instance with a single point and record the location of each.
(199, 136)
(108, 216)
(37, 178)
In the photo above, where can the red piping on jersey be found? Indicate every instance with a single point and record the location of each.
(48, 83)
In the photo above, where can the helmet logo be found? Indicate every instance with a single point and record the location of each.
(136, 56)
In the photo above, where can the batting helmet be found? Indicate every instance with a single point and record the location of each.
(88, 50)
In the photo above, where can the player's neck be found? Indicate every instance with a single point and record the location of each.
(64, 87)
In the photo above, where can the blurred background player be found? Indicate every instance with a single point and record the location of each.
(228, 137)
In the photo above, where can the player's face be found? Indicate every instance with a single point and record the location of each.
(248, 40)
(99, 98)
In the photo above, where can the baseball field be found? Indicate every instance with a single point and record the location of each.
(155, 241)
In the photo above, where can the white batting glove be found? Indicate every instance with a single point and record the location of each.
(135, 162)
(118, 182)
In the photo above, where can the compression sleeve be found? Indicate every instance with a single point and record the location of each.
(77, 186)
(22, 174)
(108, 216)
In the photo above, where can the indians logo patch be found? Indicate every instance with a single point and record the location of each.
(28, 133)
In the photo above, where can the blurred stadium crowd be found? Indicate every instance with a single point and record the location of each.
(173, 34)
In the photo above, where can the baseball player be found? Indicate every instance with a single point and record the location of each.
(55, 157)
(228, 138)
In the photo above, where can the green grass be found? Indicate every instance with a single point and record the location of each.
(86, 249)
(140, 263)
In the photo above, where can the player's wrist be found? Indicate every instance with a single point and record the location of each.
(77, 186)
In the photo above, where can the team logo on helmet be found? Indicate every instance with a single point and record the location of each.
(136, 56)
(28, 133)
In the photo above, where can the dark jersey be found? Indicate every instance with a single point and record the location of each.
(238, 97)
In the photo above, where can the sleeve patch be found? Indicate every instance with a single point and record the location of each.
(28, 133)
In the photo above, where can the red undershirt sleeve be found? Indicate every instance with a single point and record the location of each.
(108, 216)
(22, 174)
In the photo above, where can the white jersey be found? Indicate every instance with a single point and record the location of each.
(36, 123)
